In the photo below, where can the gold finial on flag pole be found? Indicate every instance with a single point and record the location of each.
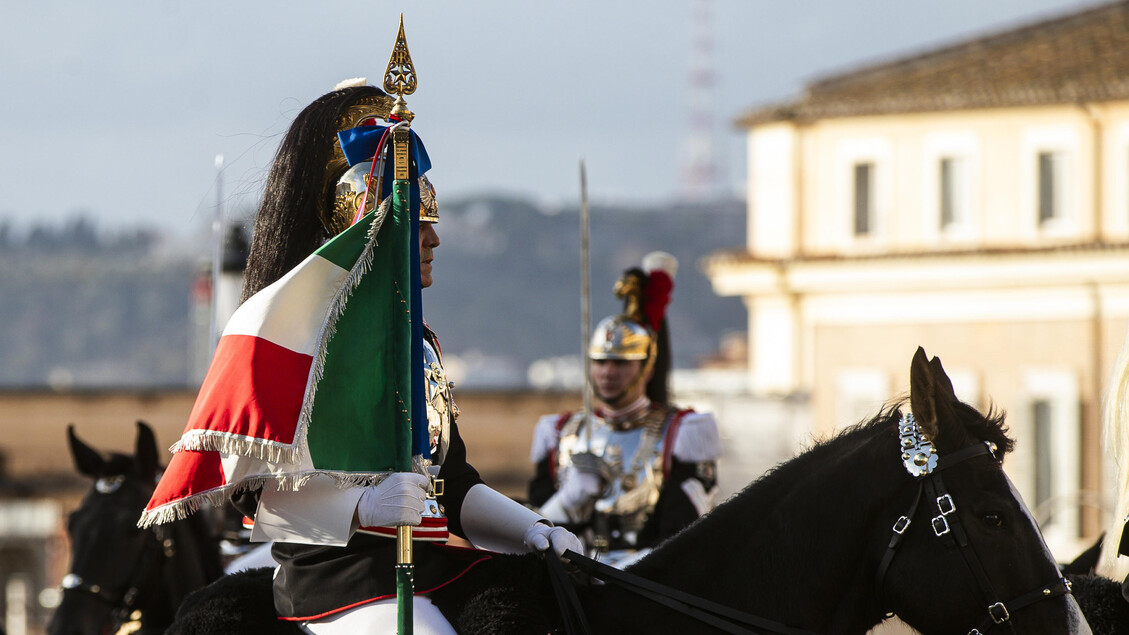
(400, 75)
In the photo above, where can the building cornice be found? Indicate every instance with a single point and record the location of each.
(741, 273)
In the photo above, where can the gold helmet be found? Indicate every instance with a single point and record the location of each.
(353, 188)
(351, 182)
(632, 335)
(617, 337)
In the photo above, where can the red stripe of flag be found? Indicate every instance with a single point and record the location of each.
(189, 472)
(254, 387)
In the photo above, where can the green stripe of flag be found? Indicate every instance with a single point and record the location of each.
(345, 248)
(363, 400)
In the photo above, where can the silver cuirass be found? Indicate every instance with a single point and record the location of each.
(441, 408)
(633, 464)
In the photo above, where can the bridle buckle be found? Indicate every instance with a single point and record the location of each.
(946, 505)
(940, 526)
(901, 525)
(998, 613)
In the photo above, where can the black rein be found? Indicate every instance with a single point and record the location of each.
(717, 615)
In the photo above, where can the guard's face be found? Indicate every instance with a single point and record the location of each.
(612, 377)
(428, 241)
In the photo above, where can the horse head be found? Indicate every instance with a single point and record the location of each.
(909, 513)
(966, 536)
(120, 573)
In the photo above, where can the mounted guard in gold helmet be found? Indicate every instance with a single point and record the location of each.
(640, 468)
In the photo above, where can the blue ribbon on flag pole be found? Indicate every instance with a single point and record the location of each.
(360, 143)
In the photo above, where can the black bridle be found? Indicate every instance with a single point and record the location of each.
(946, 525)
(123, 600)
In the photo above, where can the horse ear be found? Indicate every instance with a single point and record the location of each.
(942, 378)
(921, 393)
(146, 451)
(87, 460)
(933, 401)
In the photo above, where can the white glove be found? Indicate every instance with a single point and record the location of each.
(541, 536)
(398, 500)
(571, 502)
(578, 488)
(702, 500)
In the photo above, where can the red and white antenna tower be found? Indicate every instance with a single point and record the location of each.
(702, 176)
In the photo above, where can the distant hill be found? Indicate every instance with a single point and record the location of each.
(83, 310)
(507, 279)
(87, 311)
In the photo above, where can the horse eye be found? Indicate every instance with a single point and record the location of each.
(992, 520)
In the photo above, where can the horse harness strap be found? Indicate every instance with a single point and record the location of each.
(1000, 612)
(149, 561)
(717, 615)
(899, 530)
(947, 526)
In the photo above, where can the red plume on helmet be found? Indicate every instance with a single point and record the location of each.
(660, 268)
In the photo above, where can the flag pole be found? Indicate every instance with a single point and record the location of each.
(405, 565)
(400, 78)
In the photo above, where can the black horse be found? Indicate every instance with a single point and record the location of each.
(120, 575)
(832, 541)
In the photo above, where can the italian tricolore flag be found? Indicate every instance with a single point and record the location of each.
(311, 375)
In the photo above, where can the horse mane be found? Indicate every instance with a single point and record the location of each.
(984, 427)
(833, 447)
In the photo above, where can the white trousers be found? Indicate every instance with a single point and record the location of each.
(381, 617)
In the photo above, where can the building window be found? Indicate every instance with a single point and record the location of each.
(1050, 463)
(954, 192)
(864, 198)
(1052, 186)
(1044, 460)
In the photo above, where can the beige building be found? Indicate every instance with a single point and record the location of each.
(973, 200)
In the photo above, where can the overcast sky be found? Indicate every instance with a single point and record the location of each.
(118, 109)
